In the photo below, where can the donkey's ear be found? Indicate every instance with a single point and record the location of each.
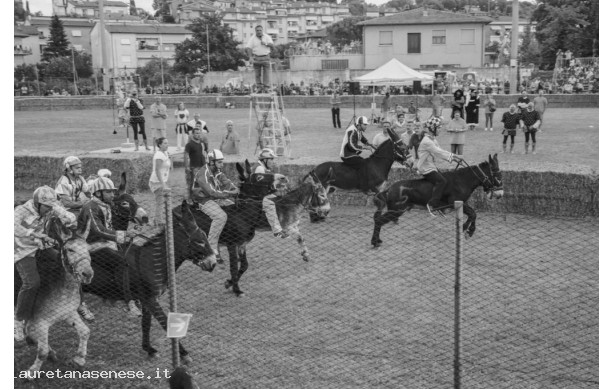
(247, 166)
(240, 170)
(123, 183)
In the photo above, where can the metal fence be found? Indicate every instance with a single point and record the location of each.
(514, 306)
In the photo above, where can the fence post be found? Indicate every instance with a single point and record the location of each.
(458, 258)
(171, 272)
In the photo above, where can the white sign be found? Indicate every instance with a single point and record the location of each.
(178, 324)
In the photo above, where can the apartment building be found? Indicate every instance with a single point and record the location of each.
(89, 9)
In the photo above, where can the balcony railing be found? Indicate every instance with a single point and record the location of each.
(23, 51)
(299, 51)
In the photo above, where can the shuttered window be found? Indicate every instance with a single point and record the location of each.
(414, 43)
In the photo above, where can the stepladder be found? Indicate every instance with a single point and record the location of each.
(273, 128)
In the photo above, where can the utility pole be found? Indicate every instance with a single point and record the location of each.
(161, 56)
(105, 78)
(208, 49)
(514, 47)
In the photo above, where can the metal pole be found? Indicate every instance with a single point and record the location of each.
(458, 258)
(105, 80)
(514, 47)
(161, 58)
(208, 48)
(171, 272)
(74, 74)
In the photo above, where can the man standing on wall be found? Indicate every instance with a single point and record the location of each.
(335, 103)
(258, 47)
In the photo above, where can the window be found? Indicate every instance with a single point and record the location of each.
(78, 47)
(76, 33)
(148, 44)
(438, 37)
(125, 41)
(385, 38)
(414, 43)
(334, 64)
(467, 36)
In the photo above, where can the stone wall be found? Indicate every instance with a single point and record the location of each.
(534, 193)
(201, 101)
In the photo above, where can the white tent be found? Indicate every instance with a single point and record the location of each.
(393, 73)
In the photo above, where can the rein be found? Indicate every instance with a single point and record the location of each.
(64, 258)
(486, 181)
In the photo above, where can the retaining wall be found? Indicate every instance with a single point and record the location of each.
(533, 193)
(207, 101)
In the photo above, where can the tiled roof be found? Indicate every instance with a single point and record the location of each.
(147, 29)
(416, 16)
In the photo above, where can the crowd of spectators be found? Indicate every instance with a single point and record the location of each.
(575, 77)
(320, 47)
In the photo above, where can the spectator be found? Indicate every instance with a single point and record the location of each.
(510, 119)
(382, 136)
(258, 48)
(523, 101)
(335, 103)
(137, 120)
(489, 109)
(401, 125)
(386, 105)
(457, 127)
(437, 103)
(158, 182)
(194, 158)
(530, 122)
(458, 102)
(159, 112)
(182, 117)
(472, 110)
(507, 87)
(540, 105)
(230, 144)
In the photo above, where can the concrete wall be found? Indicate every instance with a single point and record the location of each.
(355, 61)
(201, 101)
(533, 193)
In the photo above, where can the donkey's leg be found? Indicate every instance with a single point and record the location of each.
(235, 275)
(39, 331)
(294, 231)
(469, 227)
(83, 331)
(162, 318)
(244, 263)
(146, 330)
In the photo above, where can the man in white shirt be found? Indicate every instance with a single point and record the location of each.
(258, 47)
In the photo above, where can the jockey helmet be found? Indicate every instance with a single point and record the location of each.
(104, 173)
(215, 155)
(102, 184)
(433, 122)
(45, 195)
(70, 161)
(266, 153)
(363, 120)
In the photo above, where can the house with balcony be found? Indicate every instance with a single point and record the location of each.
(78, 31)
(26, 48)
(129, 46)
(89, 9)
(425, 38)
(185, 13)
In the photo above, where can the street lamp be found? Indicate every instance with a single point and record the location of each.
(161, 54)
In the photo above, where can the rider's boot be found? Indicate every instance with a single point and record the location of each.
(133, 310)
(84, 311)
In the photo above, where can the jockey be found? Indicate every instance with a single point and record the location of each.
(350, 151)
(95, 226)
(72, 188)
(211, 189)
(268, 204)
(29, 238)
(429, 149)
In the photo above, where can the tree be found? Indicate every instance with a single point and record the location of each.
(59, 67)
(568, 25)
(345, 31)
(192, 54)
(25, 72)
(399, 5)
(151, 73)
(83, 64)
(133, 8)
(529, 49)
(357, 8)
(57, 45)
(19, 13)
(162, 10)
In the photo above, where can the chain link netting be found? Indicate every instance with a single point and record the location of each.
(357, 317)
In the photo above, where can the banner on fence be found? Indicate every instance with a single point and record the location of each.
(178, 324)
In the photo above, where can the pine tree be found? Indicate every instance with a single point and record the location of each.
(57, 45)
(133, 8)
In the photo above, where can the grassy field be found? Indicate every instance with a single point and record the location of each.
(356, 317)
(315, 140)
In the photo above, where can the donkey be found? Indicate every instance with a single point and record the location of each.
(58, 296)
(403, 195)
